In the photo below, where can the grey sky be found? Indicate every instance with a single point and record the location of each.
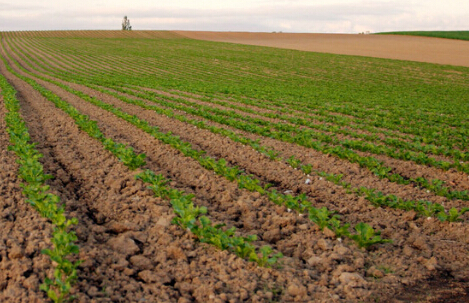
(333, 16)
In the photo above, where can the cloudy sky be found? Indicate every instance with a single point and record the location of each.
(325, 16)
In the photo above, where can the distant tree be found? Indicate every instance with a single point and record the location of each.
(126, 24)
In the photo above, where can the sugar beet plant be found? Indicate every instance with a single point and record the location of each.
(421, 207)
(48, 205)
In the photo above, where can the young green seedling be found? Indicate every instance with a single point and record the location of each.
(367, 236)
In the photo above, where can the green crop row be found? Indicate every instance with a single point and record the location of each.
(421, 207)
(231, 174)
(421, 118)
(420, 158)
(424, 208)
(141, 58)
(431, 184)
(37, 195)
(322, 217)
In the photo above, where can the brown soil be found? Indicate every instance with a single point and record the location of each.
(422, 49)
(133, 253)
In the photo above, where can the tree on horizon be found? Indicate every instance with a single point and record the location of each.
(126, 24)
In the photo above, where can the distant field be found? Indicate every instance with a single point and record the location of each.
(459, 35)
(201, 171)
(411, 48)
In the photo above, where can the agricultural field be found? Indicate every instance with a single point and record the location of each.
(400, 47)
(150, 167)
(459, 35)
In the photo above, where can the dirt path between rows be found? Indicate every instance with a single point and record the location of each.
(22, 232)
(421, 49)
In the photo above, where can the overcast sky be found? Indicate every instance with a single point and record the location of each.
(331, 16)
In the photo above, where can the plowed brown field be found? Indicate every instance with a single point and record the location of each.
(132, 252)
(421, 49)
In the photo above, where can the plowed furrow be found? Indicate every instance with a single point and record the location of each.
(22, 233)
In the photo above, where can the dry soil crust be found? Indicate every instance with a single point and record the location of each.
(422, 49)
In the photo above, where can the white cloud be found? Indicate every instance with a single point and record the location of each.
(242, 15)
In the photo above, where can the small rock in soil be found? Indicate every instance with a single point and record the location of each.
(272, 235)
(176, 253)
(141, 262)
(420, 243)
(315, 260)
(374, 272)
(324, 244)
(408, 251)
(328, 233)
(120, 227)
(296, 290)
(124, 244)
(351, 279)
(15, 252)
(431, 264)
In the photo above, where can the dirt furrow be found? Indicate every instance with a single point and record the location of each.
(23, 233)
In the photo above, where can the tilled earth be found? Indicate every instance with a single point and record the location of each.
(132, 252)
(422, 49)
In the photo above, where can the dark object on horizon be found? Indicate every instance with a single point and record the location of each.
(126, 24)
